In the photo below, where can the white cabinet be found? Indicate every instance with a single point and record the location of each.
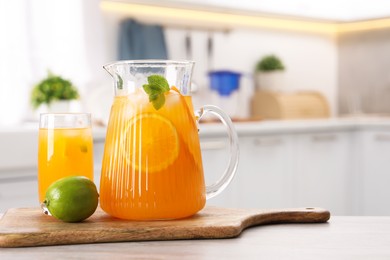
(18, 169)
(290, 170)
(373, 187)
(98, 150)
(343, 168)
(215, 157)
(19, 184)
(322, 173)
(18, 189)
(265, 176)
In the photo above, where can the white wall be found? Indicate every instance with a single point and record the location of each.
(364, 72)
(77, 49)
(310, 59)
(37, 36)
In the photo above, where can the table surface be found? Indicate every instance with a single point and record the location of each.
(340, 238)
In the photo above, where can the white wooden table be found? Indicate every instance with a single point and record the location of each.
(341, 238)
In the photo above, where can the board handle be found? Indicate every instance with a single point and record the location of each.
(294, 215)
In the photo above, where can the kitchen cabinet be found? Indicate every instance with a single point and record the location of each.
(18, 168)
(264, 177)
(19, 183)
(291, 170)
(342, 167)
(339, 165)
(373, 169)
(263, 171)
(18, 189)
(322, 175)
(215, 157)
(98, 150)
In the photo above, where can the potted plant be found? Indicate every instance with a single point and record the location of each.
(55, 92)
(269, 73)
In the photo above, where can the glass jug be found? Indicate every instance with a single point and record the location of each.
(152, 165)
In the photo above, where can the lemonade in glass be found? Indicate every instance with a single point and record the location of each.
(64, 148)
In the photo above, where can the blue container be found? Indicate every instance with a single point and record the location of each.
(224, 82)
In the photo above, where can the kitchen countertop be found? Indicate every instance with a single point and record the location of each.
(340, 238)
(299, 126)
(267, 127)
(254, 127)
(28, 134)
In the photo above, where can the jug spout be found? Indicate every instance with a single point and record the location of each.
(133, 74)
(110, 69)
(116, 71)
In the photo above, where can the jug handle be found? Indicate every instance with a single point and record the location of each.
(217, 187)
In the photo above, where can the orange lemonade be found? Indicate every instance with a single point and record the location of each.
(63, 152)
(152, 167)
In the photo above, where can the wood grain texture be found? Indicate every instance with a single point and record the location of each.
(24, 227)
(280, 105)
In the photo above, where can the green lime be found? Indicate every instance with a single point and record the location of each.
(71, 199)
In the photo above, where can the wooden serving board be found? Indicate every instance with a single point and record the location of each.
(22, 227)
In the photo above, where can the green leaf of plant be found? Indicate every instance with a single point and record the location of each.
(156, 88)
(152, 89)
(120, 82)
(158, 81)
(147, 89)
(53, 87)
(154, 96)
(159, 101)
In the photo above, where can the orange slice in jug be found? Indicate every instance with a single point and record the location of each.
(150, 142)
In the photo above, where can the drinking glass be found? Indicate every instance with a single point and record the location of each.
(65, 148)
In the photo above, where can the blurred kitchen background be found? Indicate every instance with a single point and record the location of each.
(314, 128)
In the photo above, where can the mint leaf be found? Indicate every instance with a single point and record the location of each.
(120, 82)
(154, 96)
(147, 89)
(152, 89)
(156, 89)
(159, 101)
(159, 81)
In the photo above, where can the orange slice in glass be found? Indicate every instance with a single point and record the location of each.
(150, 142)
